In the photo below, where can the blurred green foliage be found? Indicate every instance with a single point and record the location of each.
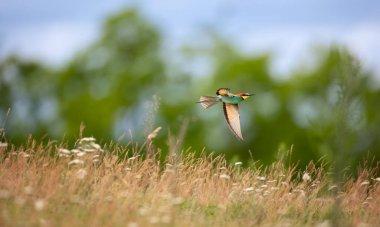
(123, 81)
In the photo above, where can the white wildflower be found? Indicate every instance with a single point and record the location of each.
(87, 140)
(167, 196)
(164, 209)
(64, 151)
(178, 200)
(81, 154)
(165, 219)
(75, 151)
(43, 222)
(143, 211)
(96, 146)
(64, 155)
(39, 204)
(363, 224)
(76, 162)
(81, 174)
(25, 155)
(224, 176)
(325, 223)
(250, 189)
(154, 220)
(28, 190)
(306, 177)
(364, 183)
(132, 224)
(4, 194)
(261, 178)
(88, 150)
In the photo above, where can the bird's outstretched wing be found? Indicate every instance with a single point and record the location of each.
(231, 113)
(208, 101)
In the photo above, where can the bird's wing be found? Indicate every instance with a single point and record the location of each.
(208, 101)
(231, 113)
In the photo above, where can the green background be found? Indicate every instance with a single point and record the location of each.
(124, 85)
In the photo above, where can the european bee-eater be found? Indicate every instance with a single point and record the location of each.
(230, 107)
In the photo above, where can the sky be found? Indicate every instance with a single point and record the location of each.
(53, 31)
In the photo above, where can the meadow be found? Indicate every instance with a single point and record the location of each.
(112, 185)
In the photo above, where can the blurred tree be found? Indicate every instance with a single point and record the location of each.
(103, 85)
(27, 91)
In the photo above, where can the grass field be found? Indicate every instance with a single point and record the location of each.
(90, 185)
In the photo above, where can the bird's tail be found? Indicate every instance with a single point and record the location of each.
(208, 101)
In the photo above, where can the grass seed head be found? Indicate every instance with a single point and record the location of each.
(153, 134)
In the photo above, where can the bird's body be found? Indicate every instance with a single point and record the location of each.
(230, 107)
(233, 99)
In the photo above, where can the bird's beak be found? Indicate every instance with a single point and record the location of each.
(247, 95)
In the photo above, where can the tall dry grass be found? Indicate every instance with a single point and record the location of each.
(90, 185)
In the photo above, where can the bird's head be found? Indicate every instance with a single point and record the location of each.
(223, 91)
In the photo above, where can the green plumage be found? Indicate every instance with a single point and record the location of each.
(232, 99)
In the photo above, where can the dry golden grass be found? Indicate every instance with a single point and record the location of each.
(47, 185)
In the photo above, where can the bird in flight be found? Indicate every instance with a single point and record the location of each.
(230, 107)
